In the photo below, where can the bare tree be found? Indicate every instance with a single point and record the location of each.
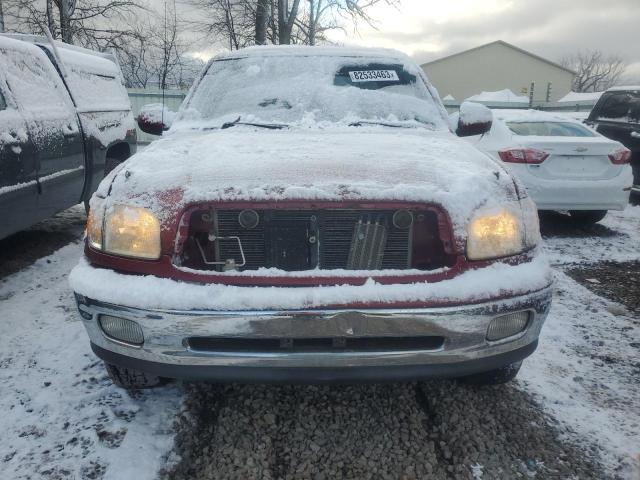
(262, 21)
(232, 21)
(595, 71)
(1, 18)
(327, 15)
(244, 22)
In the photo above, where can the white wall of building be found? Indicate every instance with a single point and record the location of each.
(497, 66)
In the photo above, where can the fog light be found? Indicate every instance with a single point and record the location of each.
(121, 329)
(507, 325)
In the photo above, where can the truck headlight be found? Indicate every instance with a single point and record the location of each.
(131, 232)
(503, 231)
(95, 221)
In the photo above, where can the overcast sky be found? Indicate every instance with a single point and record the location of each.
(429, 29)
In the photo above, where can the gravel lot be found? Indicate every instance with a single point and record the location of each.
(572, 413)
(619, 282)
(439, 430)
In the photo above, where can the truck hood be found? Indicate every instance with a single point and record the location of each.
(377, 164)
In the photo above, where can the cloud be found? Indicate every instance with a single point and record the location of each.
(429, 29)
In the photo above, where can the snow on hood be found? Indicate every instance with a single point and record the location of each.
(376, 163)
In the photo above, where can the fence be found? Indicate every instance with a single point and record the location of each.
(140, 97)
(581, 106)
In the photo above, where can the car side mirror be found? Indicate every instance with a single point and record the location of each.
(155, 118)
(474, 119)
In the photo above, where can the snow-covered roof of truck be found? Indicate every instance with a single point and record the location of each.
(306, 51)
(40, 40)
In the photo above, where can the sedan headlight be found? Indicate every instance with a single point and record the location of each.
(122, 230)
(503, 231)
(132, 232)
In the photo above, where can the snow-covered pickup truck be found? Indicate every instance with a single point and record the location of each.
(65, 120)
(310, 216)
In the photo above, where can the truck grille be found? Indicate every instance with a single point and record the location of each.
(294, 240)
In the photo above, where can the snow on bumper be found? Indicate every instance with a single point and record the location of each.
(150, 292)
(347, 343)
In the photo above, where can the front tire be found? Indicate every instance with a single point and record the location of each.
(493, 377)
(130, 379)
(587, 217)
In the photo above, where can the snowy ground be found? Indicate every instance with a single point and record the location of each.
(572, 413)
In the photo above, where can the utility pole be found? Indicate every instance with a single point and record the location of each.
(531, 91)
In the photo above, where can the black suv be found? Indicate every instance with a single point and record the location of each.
(65, 120)
(617, 116)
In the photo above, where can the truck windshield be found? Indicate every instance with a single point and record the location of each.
(306, 90)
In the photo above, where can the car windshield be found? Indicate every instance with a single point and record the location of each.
(307, 90)
(550, 129)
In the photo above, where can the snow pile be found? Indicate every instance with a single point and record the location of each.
(503, 96)
(350, 163)
(617, 242)
(582, 374)
(161, 293)
(61, 416)
(581, 97)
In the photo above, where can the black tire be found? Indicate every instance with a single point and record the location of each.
(493, 377)
(132, 379)
(586, 217)
(109, 164)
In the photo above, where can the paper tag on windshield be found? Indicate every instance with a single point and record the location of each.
(374, 76)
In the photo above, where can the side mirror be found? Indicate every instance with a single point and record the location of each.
(155, 118)
(474, 119)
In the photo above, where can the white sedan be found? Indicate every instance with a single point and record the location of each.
(564, 164)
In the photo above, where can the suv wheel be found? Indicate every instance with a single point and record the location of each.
(587, 217)
(493, 377)
(131, 379)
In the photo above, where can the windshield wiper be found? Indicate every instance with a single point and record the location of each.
(361, 123)
(270, 126)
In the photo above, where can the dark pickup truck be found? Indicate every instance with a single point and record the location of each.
(65, 121)
(617, 116)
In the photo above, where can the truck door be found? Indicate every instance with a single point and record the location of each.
(18, 188)
(52, 124)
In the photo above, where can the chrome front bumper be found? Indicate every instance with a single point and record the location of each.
(465, 349)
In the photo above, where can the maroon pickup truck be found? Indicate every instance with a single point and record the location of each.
(309, 216)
